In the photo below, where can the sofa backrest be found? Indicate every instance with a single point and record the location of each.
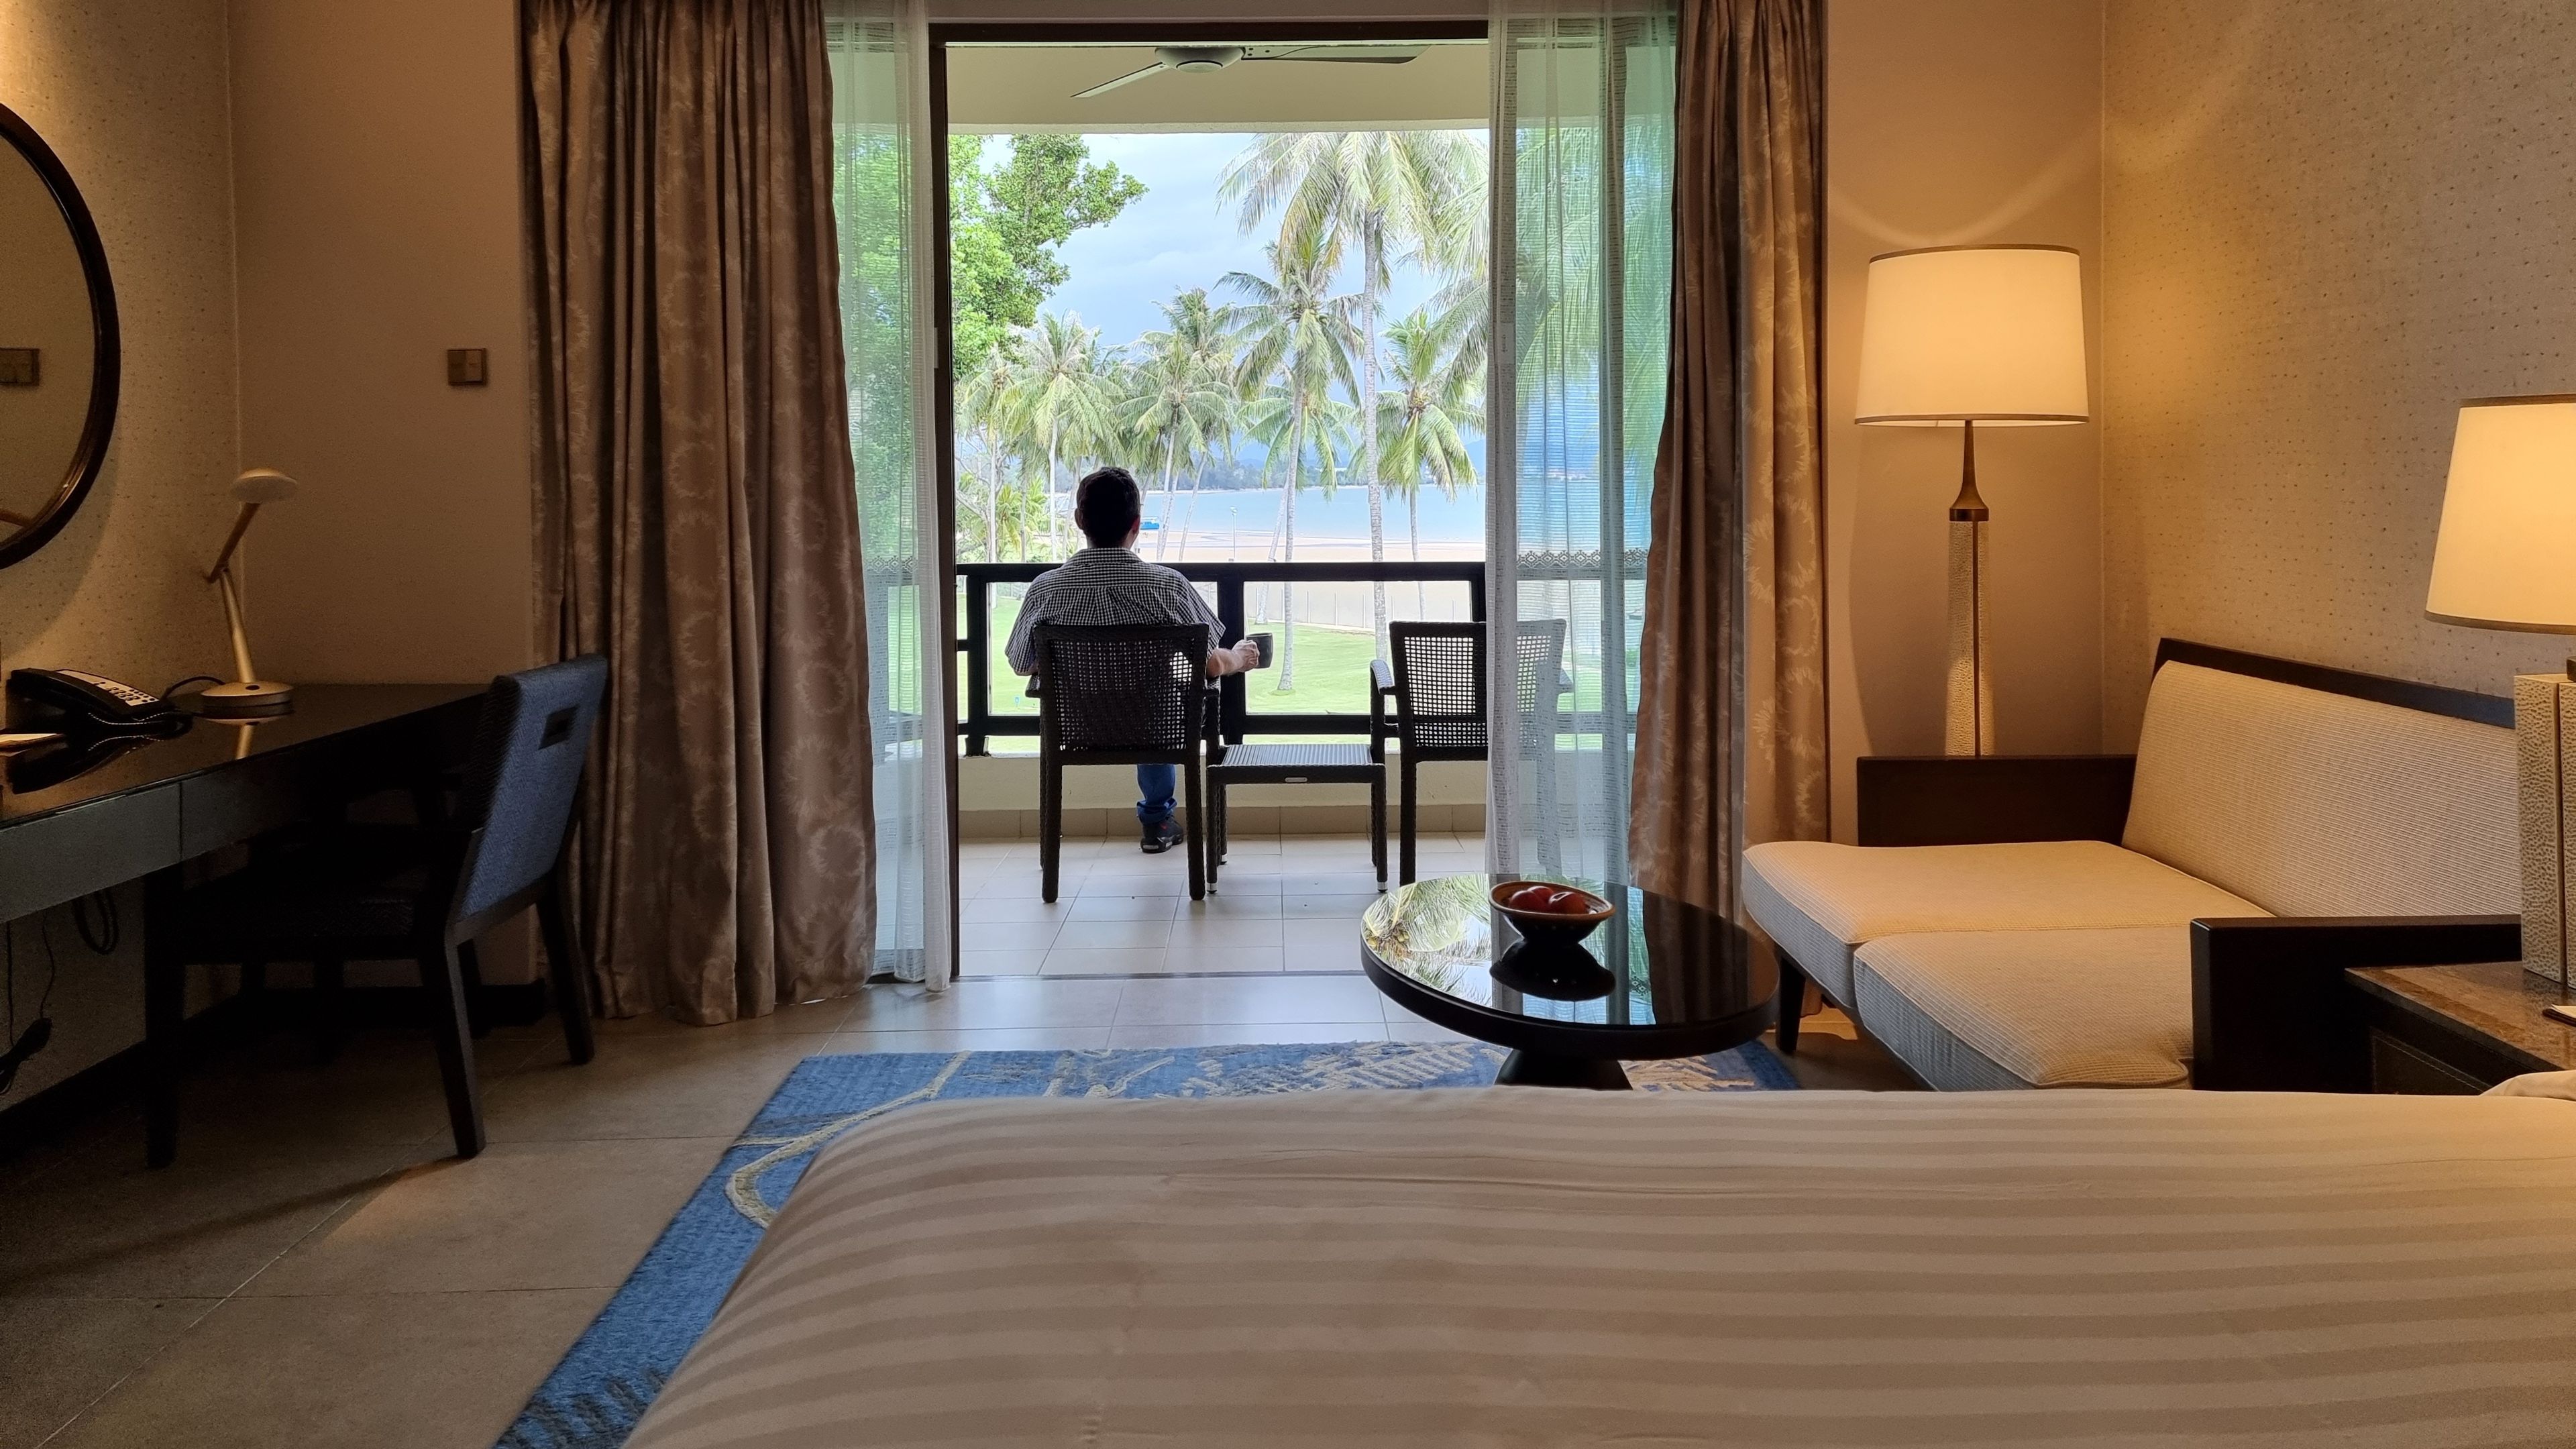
(2314, 803)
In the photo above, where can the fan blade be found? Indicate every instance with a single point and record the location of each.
(1347, 54)
(1111, 85)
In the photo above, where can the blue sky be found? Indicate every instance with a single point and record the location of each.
(1173, 237)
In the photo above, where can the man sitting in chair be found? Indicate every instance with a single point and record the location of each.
(1106, 585)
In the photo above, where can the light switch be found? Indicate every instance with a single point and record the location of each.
(466, 367)
(18, 367)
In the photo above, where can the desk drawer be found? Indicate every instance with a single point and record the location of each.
(2396, 1066)
(66, 854)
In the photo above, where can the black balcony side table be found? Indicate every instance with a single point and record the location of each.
(1232, 765)
(1661, 979)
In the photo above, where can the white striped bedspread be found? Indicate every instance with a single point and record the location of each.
(1523, 1266)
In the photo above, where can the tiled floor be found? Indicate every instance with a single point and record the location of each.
(316, 1272)
(1280, 905)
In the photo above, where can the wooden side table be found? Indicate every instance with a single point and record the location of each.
(2459, 1029)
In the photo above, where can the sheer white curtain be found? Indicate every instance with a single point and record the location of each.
(1582, 300)
(881, 167)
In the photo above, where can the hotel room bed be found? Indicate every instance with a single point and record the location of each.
(1520, 1266)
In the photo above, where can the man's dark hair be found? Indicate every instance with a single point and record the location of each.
(1108, 504)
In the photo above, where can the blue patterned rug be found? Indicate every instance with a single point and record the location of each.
(595, 1396)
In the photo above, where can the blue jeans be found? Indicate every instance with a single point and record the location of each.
(1155, 782)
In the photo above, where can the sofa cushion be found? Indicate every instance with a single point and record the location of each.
(2317, 804)
(1979, 1010)
(1819, 900)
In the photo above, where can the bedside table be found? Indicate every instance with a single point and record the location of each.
(2459, 1029)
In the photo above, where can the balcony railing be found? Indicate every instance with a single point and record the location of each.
(979, 646)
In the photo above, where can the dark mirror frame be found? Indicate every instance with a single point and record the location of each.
(106, 359)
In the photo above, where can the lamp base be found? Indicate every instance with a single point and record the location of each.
(1968, 694)
(252, 699)
(2545, 749)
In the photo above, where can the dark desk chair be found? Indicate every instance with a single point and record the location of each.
(1120, 695)
(1437, 685)
(424, 893)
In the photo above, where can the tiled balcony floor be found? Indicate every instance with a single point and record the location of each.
(1281, 904)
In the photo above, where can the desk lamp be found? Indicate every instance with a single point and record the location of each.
(2501, 562)
(248, 696)
(1962, 336)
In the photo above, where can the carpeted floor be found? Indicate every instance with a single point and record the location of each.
(601, 1388)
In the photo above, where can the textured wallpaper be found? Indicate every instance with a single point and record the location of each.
(2325, 223)
(132, 95)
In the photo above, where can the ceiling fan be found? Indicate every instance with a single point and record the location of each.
(1200, 59)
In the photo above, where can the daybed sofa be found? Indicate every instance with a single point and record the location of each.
(2159, 920)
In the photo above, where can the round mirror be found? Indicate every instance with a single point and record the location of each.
(58, 355)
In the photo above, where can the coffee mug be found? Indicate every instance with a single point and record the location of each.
(1262, 643)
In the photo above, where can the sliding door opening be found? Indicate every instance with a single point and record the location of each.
(1252, 270)
(1261, 271)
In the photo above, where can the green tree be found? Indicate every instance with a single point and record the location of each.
(1300, 339)
(1007, 216)
(1410, 195)
(1210, 335)
(1184, 405)
(984, 409)
(1061, 398)
(1435, 373)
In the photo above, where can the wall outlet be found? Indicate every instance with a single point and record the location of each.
(18, 367)
(468, 367)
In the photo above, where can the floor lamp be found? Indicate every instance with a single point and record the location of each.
(2500, 562)
(1962, 336)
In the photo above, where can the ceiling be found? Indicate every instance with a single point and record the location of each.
(1029, 88)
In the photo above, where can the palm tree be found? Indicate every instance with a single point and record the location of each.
(1299, 340)
(1023, 511)
(984, 404)
(1176, 410)
(1436, 372)
(1417, 195)
(1061, 395)
(1192, 361)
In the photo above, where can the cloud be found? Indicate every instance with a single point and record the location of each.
(1174, 237)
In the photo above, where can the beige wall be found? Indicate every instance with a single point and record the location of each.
(304, 203)
(1947, 122)
(375, 146)
(131, 94)
(2329, 221)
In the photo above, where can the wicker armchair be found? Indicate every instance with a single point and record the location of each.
(1122, 695)
(1437, 682)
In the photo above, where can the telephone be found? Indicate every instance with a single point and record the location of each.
(96, 704)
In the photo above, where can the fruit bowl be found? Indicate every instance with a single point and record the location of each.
(1563, 917)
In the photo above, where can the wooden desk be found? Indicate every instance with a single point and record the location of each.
(144, 814)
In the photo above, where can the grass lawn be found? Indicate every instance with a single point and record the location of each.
(1332, 671)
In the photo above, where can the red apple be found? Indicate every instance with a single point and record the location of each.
(1530, 898)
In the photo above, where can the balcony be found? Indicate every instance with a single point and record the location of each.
(998, 789)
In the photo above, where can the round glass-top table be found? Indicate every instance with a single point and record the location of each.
(1659, 979)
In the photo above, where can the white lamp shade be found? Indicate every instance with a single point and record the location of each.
(2506, 556)
(1989, 334)
(263, 485)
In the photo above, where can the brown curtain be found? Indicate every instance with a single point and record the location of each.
(1731, 713)
(697, 521)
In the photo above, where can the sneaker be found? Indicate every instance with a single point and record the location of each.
(1161, 836)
